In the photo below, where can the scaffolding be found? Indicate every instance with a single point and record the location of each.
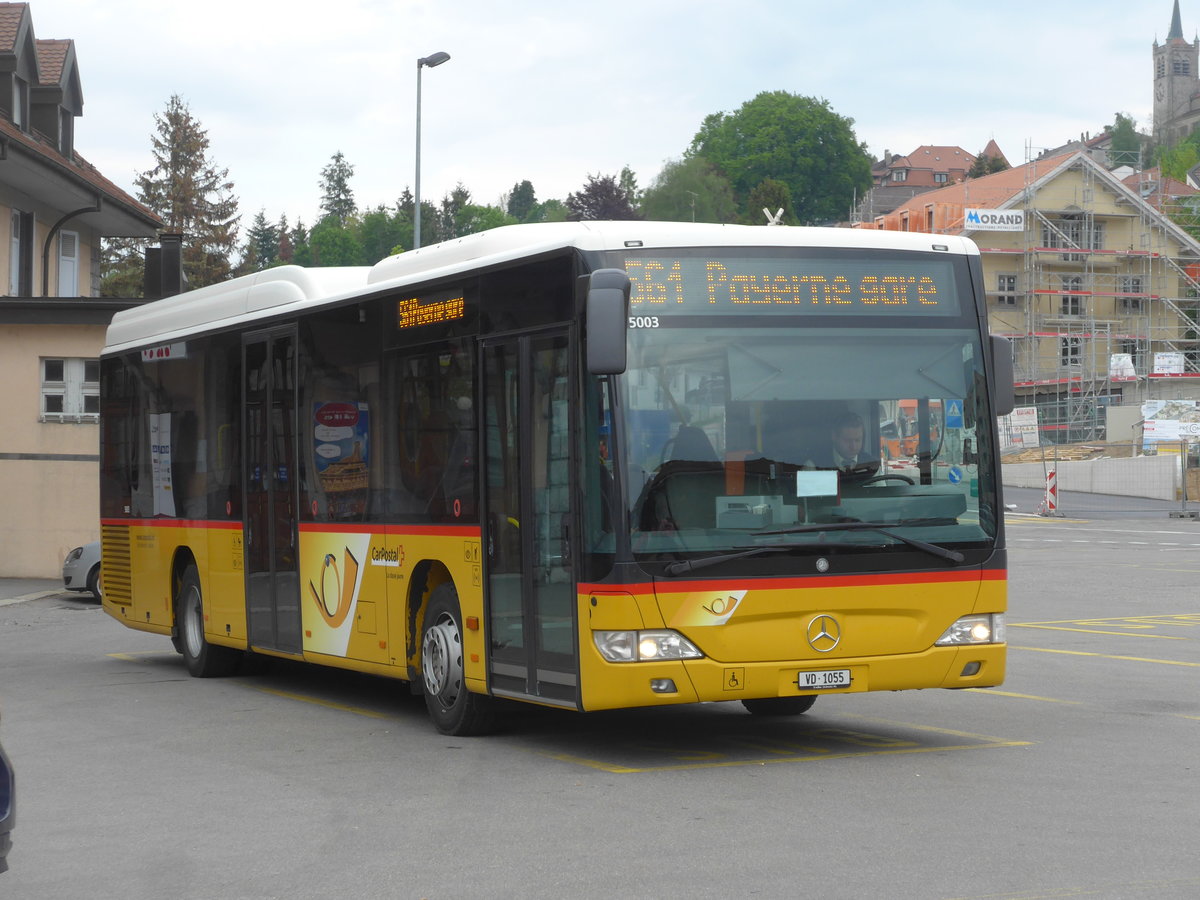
(1098, 302)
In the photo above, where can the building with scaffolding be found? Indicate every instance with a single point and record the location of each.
(1098, 289)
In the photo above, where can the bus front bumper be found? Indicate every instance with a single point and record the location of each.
(620, 685)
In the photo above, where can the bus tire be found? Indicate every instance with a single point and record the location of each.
(204, 660)
(779, 706)
(453, 709)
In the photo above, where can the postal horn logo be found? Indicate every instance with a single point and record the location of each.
(824, 633)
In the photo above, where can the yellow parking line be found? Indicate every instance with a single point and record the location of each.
(1161, 637)
(1021, 696)
(1163, 662)
(730, 763)
(1164, 618)
(316, 701)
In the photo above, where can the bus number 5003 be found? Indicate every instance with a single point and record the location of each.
(643, 321)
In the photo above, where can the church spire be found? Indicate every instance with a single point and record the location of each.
(1176, 26)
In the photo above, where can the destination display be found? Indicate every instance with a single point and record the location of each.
(413, 312)
(675, 285)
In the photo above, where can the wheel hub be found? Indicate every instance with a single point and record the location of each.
(441, 660)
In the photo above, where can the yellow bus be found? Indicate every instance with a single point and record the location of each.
(584, 465)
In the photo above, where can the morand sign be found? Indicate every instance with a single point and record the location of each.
(995, 219)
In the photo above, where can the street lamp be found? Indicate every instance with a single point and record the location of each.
(434, 59)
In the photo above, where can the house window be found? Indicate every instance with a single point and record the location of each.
(1071, 351)
(68, 264)
(1072, 305)
(70, 390)
(20, 103)
(899, 174)
(940, 177)
(66, 133)
(1073, 232)
(20, 256)
(1006, 285)
(1131, 284)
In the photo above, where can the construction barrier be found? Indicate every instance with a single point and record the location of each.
(1049, 505)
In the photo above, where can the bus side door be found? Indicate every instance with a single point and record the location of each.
(529, 530)
(271, 485)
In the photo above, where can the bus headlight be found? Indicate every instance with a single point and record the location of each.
(988, 629)
(644, 646)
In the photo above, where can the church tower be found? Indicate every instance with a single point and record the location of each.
(1176, 84)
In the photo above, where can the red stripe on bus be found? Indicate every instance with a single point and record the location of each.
(311, 527)
(173, 523)
(392, 530)
(792, 582)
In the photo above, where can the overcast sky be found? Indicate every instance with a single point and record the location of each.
(554, 91)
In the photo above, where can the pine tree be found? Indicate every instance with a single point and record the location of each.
(262, 243)
(521, 200)
(337, 199)
(191, 194)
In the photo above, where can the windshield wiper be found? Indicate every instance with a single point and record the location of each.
(684, 566)
(883, 528)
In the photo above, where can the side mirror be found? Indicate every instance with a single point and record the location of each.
(607, 315)
(1002, 376)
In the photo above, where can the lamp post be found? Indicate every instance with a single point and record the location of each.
(434, 59)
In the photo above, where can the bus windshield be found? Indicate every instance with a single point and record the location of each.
(797, 417)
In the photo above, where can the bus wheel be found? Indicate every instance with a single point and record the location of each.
(780, 706)
(453, 708)
(204, 660)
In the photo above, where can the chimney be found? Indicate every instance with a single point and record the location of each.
(164, 267)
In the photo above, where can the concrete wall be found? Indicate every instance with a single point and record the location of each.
(1155, 477)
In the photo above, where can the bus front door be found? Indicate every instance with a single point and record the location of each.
(271, 485)
(528, 536)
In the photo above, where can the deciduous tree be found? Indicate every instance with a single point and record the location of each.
(601, 198)
(797, 140)
(689, 190)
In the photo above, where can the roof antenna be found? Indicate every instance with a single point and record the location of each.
(776, 219)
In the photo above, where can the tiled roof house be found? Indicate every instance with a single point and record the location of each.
(897, 178)
(55, 207)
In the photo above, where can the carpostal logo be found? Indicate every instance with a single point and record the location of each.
(382, 556)
(995, 219)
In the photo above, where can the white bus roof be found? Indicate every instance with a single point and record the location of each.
(284, 289)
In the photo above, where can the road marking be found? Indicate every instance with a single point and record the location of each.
(1161, 637)
(329, 704)
(1022, 696)
(615, 769)
(880, 745)
(1162, 662)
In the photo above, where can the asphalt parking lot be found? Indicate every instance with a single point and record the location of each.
(1077, 777)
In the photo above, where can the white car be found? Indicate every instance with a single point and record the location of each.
(81, 570)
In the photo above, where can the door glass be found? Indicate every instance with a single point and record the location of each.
(271, 501)
(283, 494)
(258, 523)
(550, 479)
(503, 462)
